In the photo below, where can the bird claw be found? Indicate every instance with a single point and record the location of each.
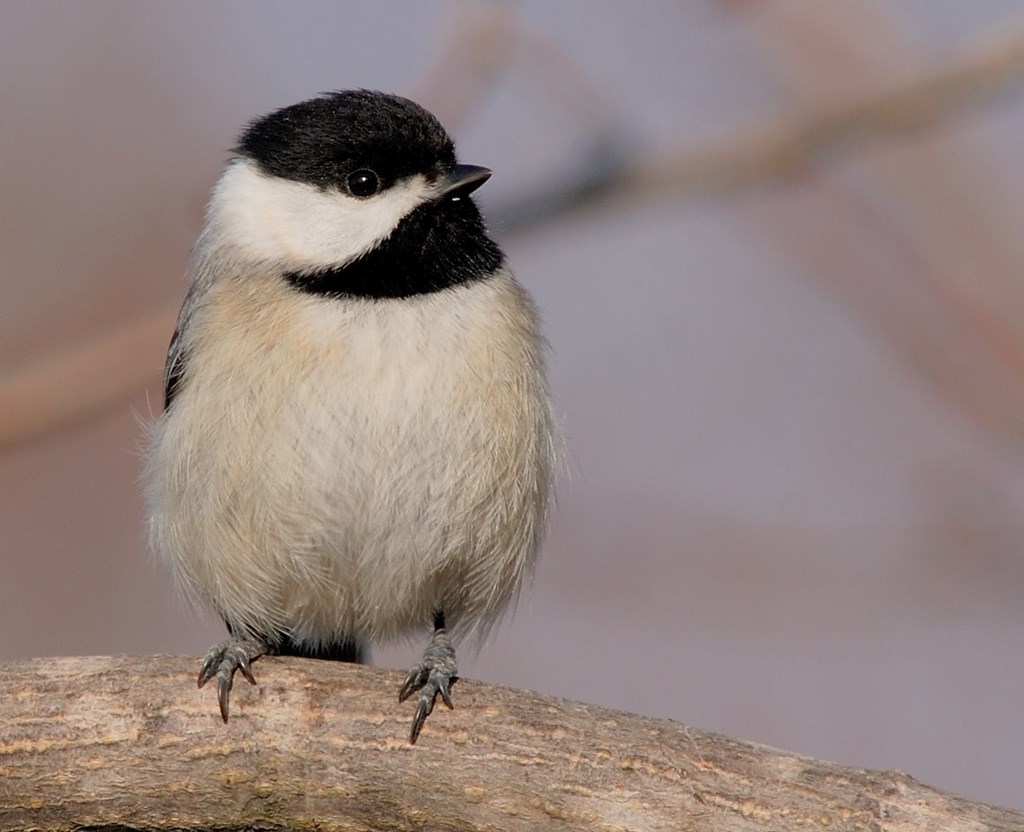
(223, 660)
(432, 677)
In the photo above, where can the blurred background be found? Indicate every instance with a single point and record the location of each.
(778, 250)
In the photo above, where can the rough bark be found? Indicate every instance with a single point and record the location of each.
(130, 743)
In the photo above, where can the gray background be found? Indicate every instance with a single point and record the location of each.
(794, 506)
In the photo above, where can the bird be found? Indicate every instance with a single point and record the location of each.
(357, 443)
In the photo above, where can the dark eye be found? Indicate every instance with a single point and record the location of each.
(363, 182)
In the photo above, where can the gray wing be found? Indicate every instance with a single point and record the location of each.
(174, 368)
(177, 354)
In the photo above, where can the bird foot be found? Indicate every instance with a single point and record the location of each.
(224, 659)
(433, 676)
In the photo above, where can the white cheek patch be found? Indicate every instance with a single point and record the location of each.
(301, 227)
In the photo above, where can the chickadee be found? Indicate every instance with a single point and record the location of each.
(357, 441)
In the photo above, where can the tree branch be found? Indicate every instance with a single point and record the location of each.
(129, 743)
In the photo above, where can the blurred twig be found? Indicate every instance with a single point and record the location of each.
(61, 389)
(830, 232)
(476, 43)
(479, 41)
(914, 235)
(988, 66)
(55, 390)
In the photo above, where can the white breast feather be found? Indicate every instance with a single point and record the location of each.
(343, 468)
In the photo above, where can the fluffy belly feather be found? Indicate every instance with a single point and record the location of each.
(392, 460)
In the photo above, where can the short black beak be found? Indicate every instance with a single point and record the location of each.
(462, 180)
